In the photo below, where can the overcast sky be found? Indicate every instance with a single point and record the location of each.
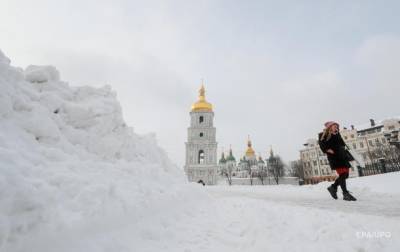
(274, 70)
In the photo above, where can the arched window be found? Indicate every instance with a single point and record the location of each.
(201, 157)
(201, 119)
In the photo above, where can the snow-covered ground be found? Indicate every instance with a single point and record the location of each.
(75, 177)
(279, 218)
(245, 218)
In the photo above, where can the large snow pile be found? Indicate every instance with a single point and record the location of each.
(68, 159)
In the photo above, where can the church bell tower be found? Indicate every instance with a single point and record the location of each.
(201, 145)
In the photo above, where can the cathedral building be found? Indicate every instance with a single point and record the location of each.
(201, 146)
(248, 162)
(201, 164)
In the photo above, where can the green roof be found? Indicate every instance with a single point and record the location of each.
(230, 157)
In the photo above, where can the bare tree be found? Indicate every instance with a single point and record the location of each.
(227, 171)
(262, 173)
(390, 154)
(251, 169)
(276, 167)
(296, 169)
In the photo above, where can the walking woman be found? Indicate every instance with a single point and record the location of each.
(339, 158)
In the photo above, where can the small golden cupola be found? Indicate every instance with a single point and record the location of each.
(202, 104)
(249, 152)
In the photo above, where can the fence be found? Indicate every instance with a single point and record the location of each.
(381, 166)
(257, 181)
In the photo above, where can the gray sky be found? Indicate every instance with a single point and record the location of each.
(275, 70)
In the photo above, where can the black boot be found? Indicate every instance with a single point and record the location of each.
(333, 191)
(347, 196)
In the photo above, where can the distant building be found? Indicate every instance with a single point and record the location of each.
(252, 169)
(201, 153)
(363, 139)
(248, 162)
(315, 164)
(201, 146)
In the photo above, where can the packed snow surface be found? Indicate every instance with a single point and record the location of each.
(75, 177)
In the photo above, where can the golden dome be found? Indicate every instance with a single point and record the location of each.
(249, 152)
(202, 104)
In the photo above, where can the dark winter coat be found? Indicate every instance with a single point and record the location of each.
(339, 159)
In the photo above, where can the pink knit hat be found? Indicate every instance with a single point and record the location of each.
(330, 123)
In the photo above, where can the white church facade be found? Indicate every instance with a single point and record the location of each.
(201, 146)
(201, 161)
